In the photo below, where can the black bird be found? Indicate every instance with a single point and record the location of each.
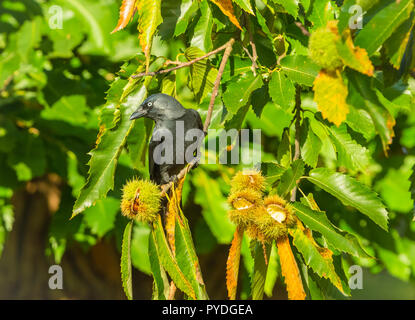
(170, 116)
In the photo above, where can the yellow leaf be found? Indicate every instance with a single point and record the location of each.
(171, 224)
(227, 8)
(330, 94)
(232, 265)
(149, 19)
(289, 270)
(363, 65)
(126, 13)
(173, 213)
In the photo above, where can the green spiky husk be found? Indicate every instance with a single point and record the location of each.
(244, 203)
(248, 179)
(269, 227)
(323, 50)
(141, 200)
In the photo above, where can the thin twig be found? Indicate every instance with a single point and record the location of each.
(172, 291)
(182, 65)
(297, 151)
(302, 28)
(226, 55)
(254, 55)
(185, 170)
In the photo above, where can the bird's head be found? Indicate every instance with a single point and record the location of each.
(159, 106)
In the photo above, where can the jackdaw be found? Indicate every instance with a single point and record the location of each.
(176, 137)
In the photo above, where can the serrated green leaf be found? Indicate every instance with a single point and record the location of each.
(239, 90)
(259, 272)
(245, 4)
(397, 43)
(322, 12)
(104, 157)
(290, 177)
(161, 283)
(168, 261)
(202, 35)
(263, 24)
(149, 18)
(202, 74)
(383, 24)
(300, 69)
(126, 274)
(290, 5)
(323, 266)
(363, 96)
(168, 84)
(272, 172)
(318, 221)
(176, 16)
(273, 271)
(349, 153)
(311, 148)
(281, 90)
(186, 257)
(351, 193)
(360, 121)
(139, 248)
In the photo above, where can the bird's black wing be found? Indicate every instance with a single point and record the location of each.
(199, 123)
(153, 168)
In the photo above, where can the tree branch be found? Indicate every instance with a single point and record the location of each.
(297, 151)
(226, 55)
(254, 55)
(303, 29)
(183, 64)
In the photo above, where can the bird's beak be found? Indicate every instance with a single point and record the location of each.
(139, 113)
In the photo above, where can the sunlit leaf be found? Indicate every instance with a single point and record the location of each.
(330, 94)
(126, 13)
(351, 193)
(202, 36)
(260, 253)
(202, 74)
(354, 57)
(365, 97)
(319, 259)
(289, 270)
(282, 90)
(244, 4)
(232, 264)
(227, 8)
(349, 153)
(149, 18)
(126, 272)
(300, 69)
(372, 36)
(239, 91)
(168, 261)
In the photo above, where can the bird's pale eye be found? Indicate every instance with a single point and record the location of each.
(149, 104)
